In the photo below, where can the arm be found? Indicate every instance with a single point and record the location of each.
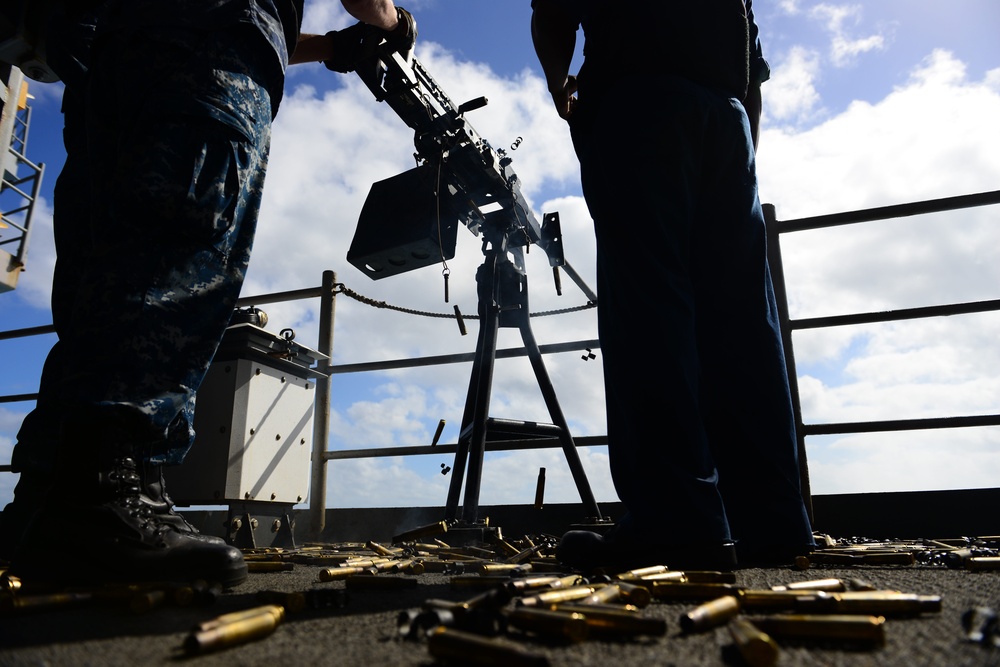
(379, 13)
(759, 73)
(395, 23)
(553, 34)
(753, 105)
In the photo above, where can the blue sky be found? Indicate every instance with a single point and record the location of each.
(869, 104)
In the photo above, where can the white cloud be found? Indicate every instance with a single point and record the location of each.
(791, 93)
(844, 48)
(34, 285)
(790, 7)
(931, 137)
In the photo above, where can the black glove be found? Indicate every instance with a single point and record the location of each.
(402, 38)
(360, 42)
(352, 45)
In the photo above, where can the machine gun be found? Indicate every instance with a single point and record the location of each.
(410, 220)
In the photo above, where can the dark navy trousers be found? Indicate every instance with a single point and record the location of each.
(701, 433)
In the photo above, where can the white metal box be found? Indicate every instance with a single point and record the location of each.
(253, 424)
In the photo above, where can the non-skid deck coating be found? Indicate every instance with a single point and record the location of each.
(365, 630)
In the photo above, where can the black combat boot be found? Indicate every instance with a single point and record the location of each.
(163, 505)
(109, 533)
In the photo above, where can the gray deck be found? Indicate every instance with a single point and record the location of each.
(364, 631)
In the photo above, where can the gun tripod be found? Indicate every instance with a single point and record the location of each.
(503, 302)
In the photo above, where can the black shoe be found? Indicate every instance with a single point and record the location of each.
(120, 540)
(588, 551)
(163, 505)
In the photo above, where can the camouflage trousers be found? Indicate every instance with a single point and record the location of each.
(155, 213)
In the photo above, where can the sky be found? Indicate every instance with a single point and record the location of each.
(869, 104)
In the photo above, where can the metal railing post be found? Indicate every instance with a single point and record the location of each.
(781, 298)
(321, 414)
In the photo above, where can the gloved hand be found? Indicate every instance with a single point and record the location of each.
(404, 36)
(352, 45)
(359, 42)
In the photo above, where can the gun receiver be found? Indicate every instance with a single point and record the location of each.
(409, 220)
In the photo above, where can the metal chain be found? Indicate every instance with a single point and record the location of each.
(341, 288)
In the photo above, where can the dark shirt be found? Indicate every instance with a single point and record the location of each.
(279, 21)
(707, 41)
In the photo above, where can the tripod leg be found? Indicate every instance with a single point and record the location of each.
(477, 439)
(556, 413)
(480, 366)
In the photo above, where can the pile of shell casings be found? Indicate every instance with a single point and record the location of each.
(969, 553)
(17, 597)
(538, 598)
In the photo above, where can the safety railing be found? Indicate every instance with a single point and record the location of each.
(329, 289)
(776, 228)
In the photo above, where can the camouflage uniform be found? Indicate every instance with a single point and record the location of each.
(155, 217)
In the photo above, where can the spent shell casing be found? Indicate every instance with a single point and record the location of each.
(9, 583)
(422, 531)
(383, 550)
(821, 627)
(756, 646)
(491, 599)
(710, 614)
(615, 621)
(685, 591)
(982, 563)
(634, 594)
(43, 601)
(293, 601)
(897, 558)
(236, 616)
(567, 594)
(674, 576)
(761, 600)
(460, 647)
(880, 603)
(639, 573)
(339, 573)
(367, 562)
(487, 569)
(555, 624)
(709, 577)
(824, 558)
(603, 595)
(409, 566)
(525, 554)
(533, 583)
(236, 632)
(812, 585)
